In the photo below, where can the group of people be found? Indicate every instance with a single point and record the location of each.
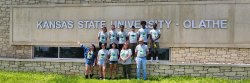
(123, 48)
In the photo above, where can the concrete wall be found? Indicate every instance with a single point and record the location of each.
(24, 18)
(211, 55)
(162, 69)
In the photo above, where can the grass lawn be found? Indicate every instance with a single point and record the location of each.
(36, 77)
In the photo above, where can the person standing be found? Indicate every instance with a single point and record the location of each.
(102, 59)
(113, 58)
(90, 59)
(142, 51)
(155, 35)
(125, 58)
(113, 36)
(122, 37)
(144, 32)
(102, 37)
(133, 37)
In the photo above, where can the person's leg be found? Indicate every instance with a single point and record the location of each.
(157, 51)
(104, 70)
(90, 71)
(128, 71)
(138, 66)
(144, 66)
(100, 71)
(87, 71)
(152, 51)
(114, 67)
(111, 70)
(124, 70)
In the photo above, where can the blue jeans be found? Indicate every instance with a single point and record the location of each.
(141, 62)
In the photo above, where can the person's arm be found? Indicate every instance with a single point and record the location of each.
(147, 33)
(147, 51)
(138, 35)
(158, 37)
(129, 55)
(136, 50)
(97, 57)
(98, 36)
(128, 35)
(120, 58)
(109, 54)
(150, 37)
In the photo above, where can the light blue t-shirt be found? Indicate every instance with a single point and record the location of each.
(132, 37)
(124, 54)
(141, 50)
(102, 54)
(143, 34)
(113, 54)
(122, 37)
(103, 37)
(113, 36)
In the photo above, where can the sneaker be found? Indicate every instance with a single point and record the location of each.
(100, 78)
(91, 75)
(86, 76)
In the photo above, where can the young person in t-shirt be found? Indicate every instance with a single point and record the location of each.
(122, 37)
(133, 37)
(113, 58)
(90, 59)
(101, 61)
(155, 35)
(102, 37)
(125, 57)
(113, 36)
(144, 32)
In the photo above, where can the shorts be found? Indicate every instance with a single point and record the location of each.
(102, 63)
(89, 62)
(113, 62)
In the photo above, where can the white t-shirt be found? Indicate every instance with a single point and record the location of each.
(141, 50)
(143, 34)
(102, 54)
(124, 54)
(113, 36)
(102, 37)
(132, 37)
(113, 54)
(122, 37)
(154, 34)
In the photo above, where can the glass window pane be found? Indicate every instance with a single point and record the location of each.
(71, 52)
(164, 54)
(46, 52)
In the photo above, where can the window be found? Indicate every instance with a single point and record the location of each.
(163, 54)
(58, 52)
(77, 52)
(46, 52)
(71, 52)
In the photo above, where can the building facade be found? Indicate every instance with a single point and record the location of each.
(194, 32)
